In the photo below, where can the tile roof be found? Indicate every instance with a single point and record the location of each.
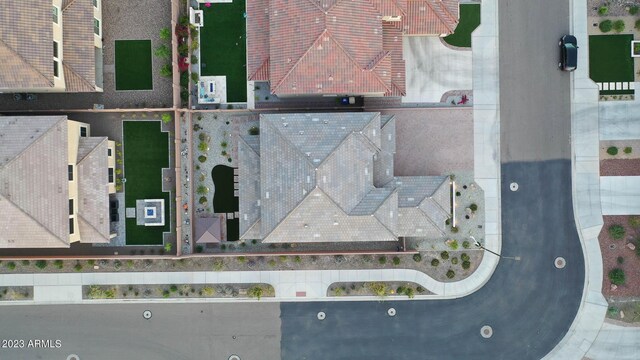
(338, 46)
(207, 230)
(78, 46)
(313, 181)
(26, 44)
(93, 190)
(34, 188)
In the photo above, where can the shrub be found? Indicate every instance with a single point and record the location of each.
(378, 288)
(199, 249)
(458, 193)
(616, 276)
(466, 244)
(230, 106)
(41, 264)
(616, 231)
(435, 262)
(620, 260)
(165, 293)
(202, 200)
(417, 257)
(254, 241)
(173, 288)
(382, 260)
(606, 26)
(203, 146)
(396, 260)
(473, 207)
(409, 292)
(202, 190)
(454, 229)
(453, 244)
(613, 311)
(194, 33)
(166, 118)
(637, 26)
(451, 274)
(466, 265)
(254, 130)
(464, 257)
(25, 262)
(420, 289)
(444, 255)
(255, 292)
(194, 59)
(59, 264)
(165, 34)
(454, 260)
(271, 263)
(162, 52)
(603, 10)
(618, 25)
(241, 259)
(202, 158)
(297, 259)
(166, 70)
(194, 77)
(184, 80)
(634, 221)
(10, 265)
(628, 150)
(77, 267)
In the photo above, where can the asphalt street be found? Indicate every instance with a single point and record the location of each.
(529, 303)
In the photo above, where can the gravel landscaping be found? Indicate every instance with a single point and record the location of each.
(620, 254)
(620, 167)
(382, 289)
(172, 291)
(10, 293)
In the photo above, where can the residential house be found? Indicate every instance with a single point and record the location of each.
(51, 46)
(338, 47)
(55, 182)
(328, 177)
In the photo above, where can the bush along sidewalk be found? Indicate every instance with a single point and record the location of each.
(256, 291)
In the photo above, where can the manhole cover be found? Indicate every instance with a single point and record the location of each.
(391, 312)
(321, 315)
(146, 314)
(73, 357)
(486, 331)
(234, 357)
(513, 186)
(560, 262)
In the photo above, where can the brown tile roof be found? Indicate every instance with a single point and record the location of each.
(34, 188)
(78, 46)
(93, 190)
(26, 44)
(338, 46)
(207, 230)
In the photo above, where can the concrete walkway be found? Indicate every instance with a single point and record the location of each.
(616, 342)
(433, 69)
(619, 119)
(620, 195)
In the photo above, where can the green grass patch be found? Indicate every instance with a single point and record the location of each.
(146, 152)
(223, 46)
(133, 65)
(469, 21)
(610, 60)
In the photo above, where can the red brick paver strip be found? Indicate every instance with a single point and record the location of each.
(623, 167)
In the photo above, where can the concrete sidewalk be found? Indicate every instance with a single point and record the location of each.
(620, 195)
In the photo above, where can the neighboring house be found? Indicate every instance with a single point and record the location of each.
(55, 181)
(333, 47)
(328, 177)
(51, 46)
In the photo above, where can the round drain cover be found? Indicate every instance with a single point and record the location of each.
(321, 315)
(486, 331)
(513, 186)
(73, 357)
(560, 262)
(146, 314)
(234, 357)
(391, 312)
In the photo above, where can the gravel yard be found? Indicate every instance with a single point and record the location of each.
(617, 254)
(433, 141)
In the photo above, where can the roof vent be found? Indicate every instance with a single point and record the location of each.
(306, 226)
(285, 124)
(326, 121)
(335, 223)
(301, 132)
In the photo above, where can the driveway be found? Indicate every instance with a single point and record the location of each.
(433, 141)
(433, 69)
(618, 120)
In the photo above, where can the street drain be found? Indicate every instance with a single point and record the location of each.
(146, 314)
(560, 262)
(486, 331)
(234, 357)
(391, 312)
(513, 186)
(321, 315)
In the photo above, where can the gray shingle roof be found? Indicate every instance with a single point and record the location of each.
(34, 188)
(93, 190)
(78, 46)
(313, 181)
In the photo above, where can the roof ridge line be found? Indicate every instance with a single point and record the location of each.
(293, 210)
(446, 11)
(429, 4)
(251, 227)
(299, 59)
(345, 138)
(69, 67)
(18, 155)
(34, 219)
(94, 148)
(265, 63)
(395, 190)
(249, 146)
(369, 192)
(26, 61)
(91, 225)
(291, 144)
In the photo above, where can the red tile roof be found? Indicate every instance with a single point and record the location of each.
(338, 46)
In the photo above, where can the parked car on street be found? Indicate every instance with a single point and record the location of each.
(568, 53)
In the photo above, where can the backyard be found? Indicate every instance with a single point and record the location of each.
(610, 61)
(146, 153)
(133, 65)
(469, 21)
(223, 46)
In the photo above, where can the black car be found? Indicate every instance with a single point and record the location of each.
(568, 53)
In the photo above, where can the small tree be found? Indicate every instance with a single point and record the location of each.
(208, 291)
(616, 276)
(255, 292)
(166, 118)
(163, 52)
(166, 70)
(606, 26)
(616, 231)
(618, 25)
(165, 34)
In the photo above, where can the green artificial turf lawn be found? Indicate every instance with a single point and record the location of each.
(610, 60)
(146, 152)
(224, 26)
(133, 65)
(469, 21)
